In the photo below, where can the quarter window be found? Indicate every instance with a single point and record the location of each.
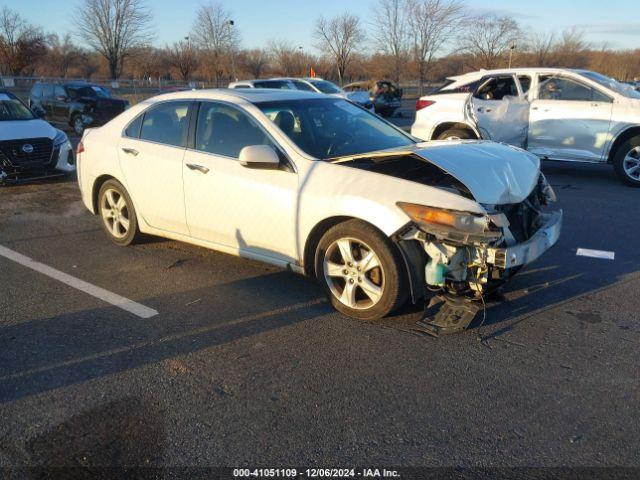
(166, 123)
(133, 130)
(225, 130)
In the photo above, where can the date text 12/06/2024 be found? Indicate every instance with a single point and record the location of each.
(315, 472)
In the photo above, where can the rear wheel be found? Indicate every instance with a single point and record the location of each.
(117, 213)
(456, 134)
(627, 161)
(360, 271)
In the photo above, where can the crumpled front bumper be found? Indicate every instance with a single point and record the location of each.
(526, 252)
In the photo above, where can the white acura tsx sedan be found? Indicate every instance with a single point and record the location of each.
(323, 187)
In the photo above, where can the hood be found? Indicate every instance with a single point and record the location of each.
(18, 129)
(494, 173)
(490, 173)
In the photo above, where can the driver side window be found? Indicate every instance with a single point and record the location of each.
(497, 88)
(559, 88)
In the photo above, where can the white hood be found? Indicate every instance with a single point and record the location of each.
(18, 129)
(495, 173)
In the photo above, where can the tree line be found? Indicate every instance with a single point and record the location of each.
(405, 41)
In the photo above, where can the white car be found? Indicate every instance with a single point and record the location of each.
(30, 147)
(320, 186)
(557, 114)
(317, 85)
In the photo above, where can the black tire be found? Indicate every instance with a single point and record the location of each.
(456, 134)
(76, 121)
(391, 277)
(132, 233)
(619, 160)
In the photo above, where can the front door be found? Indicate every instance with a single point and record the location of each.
(251, 210)
(151, 154)
(569, 120)
(500, 110)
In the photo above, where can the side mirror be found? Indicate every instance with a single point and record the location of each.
(61, 98)
(259, 156)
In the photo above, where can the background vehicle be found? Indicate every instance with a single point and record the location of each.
(320, 186)
(558, 114)
(78, 105)
(385, 95)
(317, 85)
(30, 146)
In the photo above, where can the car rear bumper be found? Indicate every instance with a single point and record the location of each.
(526, 252)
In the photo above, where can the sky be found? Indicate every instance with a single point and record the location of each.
(259, 21)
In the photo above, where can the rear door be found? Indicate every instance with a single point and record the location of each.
(500, 110)
(569, 119)
(151, 153)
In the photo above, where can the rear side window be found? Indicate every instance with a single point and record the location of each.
(303, 86)
(273, 84)
(465, 88)
(36, 91)
(225, 130)
(166, 123)
(242, 85)
(497, 88)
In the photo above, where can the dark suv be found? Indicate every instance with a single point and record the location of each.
(78, 105)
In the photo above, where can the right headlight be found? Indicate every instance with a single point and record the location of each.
(452, 224)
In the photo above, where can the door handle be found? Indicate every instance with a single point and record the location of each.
(534, 108)
(488, 110)
(480, 109)
(130, 151)
(200, 168)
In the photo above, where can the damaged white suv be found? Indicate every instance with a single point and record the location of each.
(555, 113)
(321, 186)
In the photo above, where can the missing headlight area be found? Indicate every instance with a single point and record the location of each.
(461, 264)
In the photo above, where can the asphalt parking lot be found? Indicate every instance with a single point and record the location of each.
(246, 364)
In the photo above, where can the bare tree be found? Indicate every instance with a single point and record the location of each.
(390, 27)
(570, 49)
(488, 37)
(288, 59)
(542, 47)
(338, 37)
(21, 44)
(255, 61)
(214, 30)
(183, 57)
(114, 28)
(62, 53)
(432, 23)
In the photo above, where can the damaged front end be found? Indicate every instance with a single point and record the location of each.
(465, 256)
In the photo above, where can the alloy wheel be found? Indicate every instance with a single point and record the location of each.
(78, 126)
(354, 273)
(115, 213)
(631, 164)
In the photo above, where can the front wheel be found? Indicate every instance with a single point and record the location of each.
(117, 213)
(627, 161)
(360, 271)
(78, 125)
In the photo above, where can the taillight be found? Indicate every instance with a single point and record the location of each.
(80, 148)
(420, 104)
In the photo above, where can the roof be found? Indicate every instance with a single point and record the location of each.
(519, 70)
(249, 95)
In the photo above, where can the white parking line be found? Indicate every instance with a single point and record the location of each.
(605, 255)
(104, 295)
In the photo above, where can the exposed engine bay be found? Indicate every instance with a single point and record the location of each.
(464, 257)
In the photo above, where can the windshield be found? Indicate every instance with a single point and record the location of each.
(325, 87)
(611, 84)
(13, 109)
(327, 128)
